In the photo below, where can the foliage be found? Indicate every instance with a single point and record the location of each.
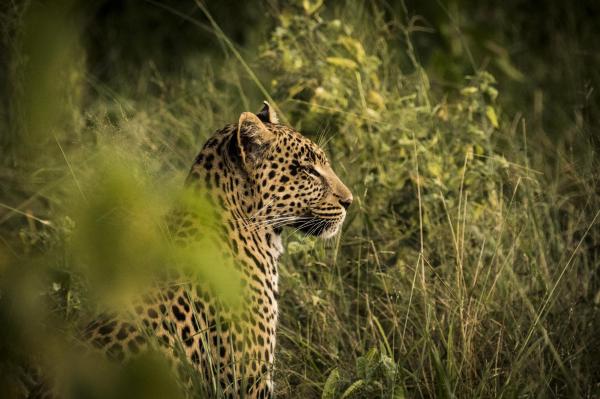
(467, 267)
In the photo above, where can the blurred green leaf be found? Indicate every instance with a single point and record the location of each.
(342, 62)
(331, 385)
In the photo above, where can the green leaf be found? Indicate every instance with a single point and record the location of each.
(367, 363)
(491, 115)
(356, 387)
(354, 47)
(310, 7)
(510, 70)
(398, 393)
(331, 384)
(342, 62)
(467, 91)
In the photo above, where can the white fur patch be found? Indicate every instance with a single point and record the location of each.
(278, 245)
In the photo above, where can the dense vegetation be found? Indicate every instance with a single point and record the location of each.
(469, 264)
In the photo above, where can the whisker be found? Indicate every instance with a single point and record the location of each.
(265, 206)
(308, 222)
(276, 222)
(315, 227)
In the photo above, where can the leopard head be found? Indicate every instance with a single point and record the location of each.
(294, 183)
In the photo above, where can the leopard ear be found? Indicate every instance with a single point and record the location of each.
(253, 138)
(267, 114)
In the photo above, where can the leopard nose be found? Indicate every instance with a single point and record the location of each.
(345, 202)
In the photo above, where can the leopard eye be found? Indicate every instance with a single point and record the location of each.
(310, 170)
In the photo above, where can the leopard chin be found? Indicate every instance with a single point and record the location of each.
(319, 227)
(332, 231)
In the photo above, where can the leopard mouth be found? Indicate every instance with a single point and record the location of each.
(318, 226)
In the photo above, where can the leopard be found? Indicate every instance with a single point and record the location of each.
(258, 177)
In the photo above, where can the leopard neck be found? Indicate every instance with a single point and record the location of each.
(254, 244)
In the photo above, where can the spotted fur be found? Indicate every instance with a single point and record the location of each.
(260, 176)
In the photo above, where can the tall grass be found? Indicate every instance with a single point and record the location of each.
(465, 269)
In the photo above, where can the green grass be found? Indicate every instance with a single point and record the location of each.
(468, 265)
